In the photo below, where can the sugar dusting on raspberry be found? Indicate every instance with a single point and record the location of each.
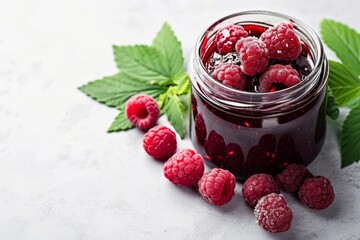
(184, 168)
(257, 186)
(227, 37)
(142, 111)
(254, 56)
(282, 42)
(217, 186)
(317, 193)
(273, 214)
(230, 75)
(160, 142)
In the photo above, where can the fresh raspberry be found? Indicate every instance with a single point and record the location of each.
(278, 74)
(184, 168)
(293, 177)
(254, 56)
(227, 37)
(317, 193)
(160, 142)
(230, 75)
(273, 214)
(217, 186)
(142, 111)
(282, 42)
(257, 186)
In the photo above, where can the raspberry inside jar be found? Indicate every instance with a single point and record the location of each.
(247, 131)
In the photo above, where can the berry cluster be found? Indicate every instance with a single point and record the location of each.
(261, 191)
(265, 59)
(184, 168)
(271, 210)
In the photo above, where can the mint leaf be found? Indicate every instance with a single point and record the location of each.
(120, 123)
(344, 84)
(115, 90)
(142, 62)
(350, 138)
(332, 109)
(170, 47)
(344, 41)
(174, 111)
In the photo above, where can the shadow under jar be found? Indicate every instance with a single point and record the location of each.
(251, 132)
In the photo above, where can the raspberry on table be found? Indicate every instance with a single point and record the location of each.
(230, 75)
(282, 42)
(184, 168)
(275, 75)
(317, 193)
(217, 186)
(254, 55)
(227, 37)
(257, 186)
(273, 214)
(160, 142)
(142, 111)
(293, 177)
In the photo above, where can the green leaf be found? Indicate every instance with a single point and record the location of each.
(174, 110)
(162, 99)
(344, 84)
(142, 62)
(332, 109)
(115, 90)
(183, 86)
(170, 47)
(350, 138)
(344, 41)
(121, 123)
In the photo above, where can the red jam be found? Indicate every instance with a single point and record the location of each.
(247, 141)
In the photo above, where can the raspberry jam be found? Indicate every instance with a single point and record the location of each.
(245, 131)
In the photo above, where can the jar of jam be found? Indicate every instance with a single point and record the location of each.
(247, 131)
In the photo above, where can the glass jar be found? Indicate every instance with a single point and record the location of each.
(249, 132)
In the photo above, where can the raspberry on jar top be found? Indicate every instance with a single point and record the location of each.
(253, 61)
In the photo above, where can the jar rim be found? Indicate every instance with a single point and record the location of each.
(257, 97)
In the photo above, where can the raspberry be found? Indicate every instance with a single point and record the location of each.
(184, 168)
(273, 214)
(254, 56)
(217, 186)
(282, 42)
(230, 75)
(317, 193)
(227, 37)
(277, 77)
(142, 111)
(293, 177)
(257, 186)
(160, 142)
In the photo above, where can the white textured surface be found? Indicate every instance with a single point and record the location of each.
(63, 177)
